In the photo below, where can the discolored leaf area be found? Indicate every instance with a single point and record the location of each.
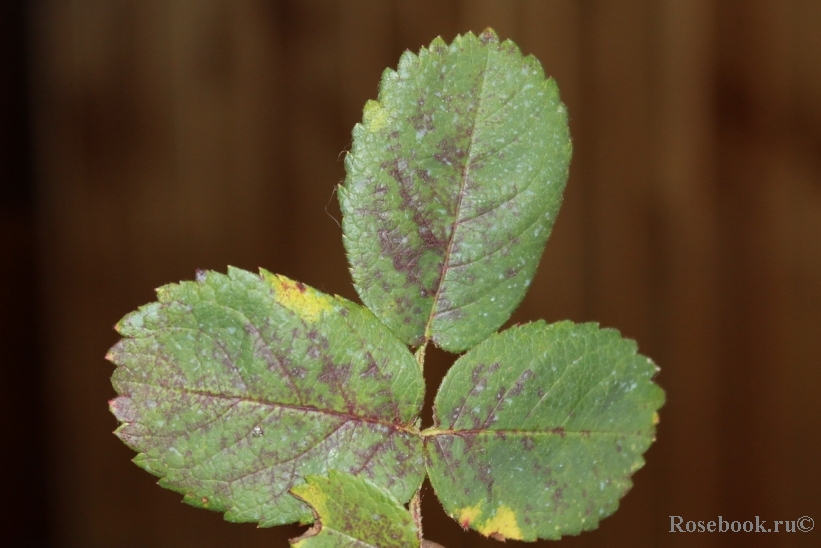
(353, 512)
(234, 387)
(453, 182)
(539, 428)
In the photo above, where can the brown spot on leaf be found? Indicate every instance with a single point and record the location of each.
(519, 385)
(334, 374)
(450, 153)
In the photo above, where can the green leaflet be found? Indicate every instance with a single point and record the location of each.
(233, 388)
(352, 512)
(454, 180)
(539, 428)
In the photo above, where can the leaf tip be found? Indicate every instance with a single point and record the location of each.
(489, 36)
(122, 407)
(131, 321)
(438, 44)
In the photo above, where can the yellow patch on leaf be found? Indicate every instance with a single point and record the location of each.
(466, 516)
(374, 116)
(302, 300)
(314, 496)
(502, 524)
(655, 419)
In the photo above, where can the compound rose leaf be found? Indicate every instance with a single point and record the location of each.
(539, 428)
(353, 512)
(234, 387)
(453, 182)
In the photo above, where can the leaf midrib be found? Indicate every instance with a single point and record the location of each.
(431, 433)
(409, 428)
(462, 185)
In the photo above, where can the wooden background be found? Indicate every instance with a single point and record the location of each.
(175, 135)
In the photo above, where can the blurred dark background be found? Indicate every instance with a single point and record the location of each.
(141, 140)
